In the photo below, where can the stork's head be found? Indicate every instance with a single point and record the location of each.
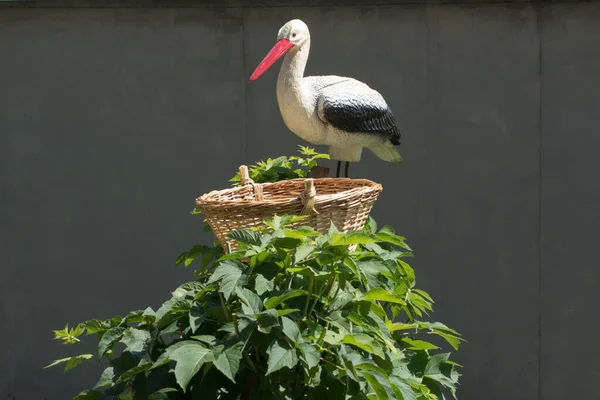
(291, 37)
(295, 31)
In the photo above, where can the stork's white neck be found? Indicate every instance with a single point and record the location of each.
(292, 67)
(296, 101)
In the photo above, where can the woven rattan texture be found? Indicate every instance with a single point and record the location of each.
(343, 201)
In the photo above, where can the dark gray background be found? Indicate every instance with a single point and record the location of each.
(112, 120)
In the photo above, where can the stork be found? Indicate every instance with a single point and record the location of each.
(342, 113)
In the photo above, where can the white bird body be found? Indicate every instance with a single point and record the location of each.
(340, 112)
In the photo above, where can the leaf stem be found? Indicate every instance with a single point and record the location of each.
(325, 286)
(235, 325)
(329, 362)
(250, 363)
(224, 306)
(310, 285)
(322, 336)
(256, 354)
(331, 286)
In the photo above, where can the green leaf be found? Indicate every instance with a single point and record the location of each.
(281, 355)
(200, 294)
(228, 361)
(352, 237)
(438, 326)
(287, 311)
(301, 232)
(136, 340)
(181, 257)
(273, 302)
(415, 344)
(229, 272)
(452, 340)
(71, 362)
(150, 314)
(370, 270)
(290, 329)
(97, 326)
(379, 384)
(417, 363)
(406, 392)
(311, 355)
(267, 320)
(364, 342)
(381, 294)
(393, 239)
(69, 336)
(262, 285)
(424, 294)
(164, 357)
(107, 378)
(90, 395)
(388, 230)
(191, 256)
(208, 339)
(197, 316)
(370, 225)
(303, 251)
(225, 268)
(333, 338)
(143, 366)
(181, 306)
(189, 359)
(277, 222)
(109, 338)
(251, 303)
(162, 394)
(246, 236)
(286, 243)
(234, 255)
(439, 369)
(332, 230)
(341, 300)
(165, 315)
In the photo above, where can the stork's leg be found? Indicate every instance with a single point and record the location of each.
(339, 165)
(346, 169)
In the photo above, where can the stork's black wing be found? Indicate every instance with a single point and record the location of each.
(352, 106)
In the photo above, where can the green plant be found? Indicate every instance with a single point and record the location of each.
(291, 314)
(282, 168)
(278, 169)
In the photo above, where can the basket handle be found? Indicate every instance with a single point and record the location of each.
(308, 198)
(246, 180)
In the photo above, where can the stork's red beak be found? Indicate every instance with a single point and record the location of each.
(281, 47)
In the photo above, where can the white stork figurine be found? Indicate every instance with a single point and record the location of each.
(342, 113)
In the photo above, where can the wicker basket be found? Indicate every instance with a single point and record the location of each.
(343, 201)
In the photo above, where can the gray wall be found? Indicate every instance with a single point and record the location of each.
(112, 120)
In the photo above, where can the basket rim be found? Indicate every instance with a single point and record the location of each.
(362, 186)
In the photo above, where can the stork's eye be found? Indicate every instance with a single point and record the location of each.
(294, 34)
